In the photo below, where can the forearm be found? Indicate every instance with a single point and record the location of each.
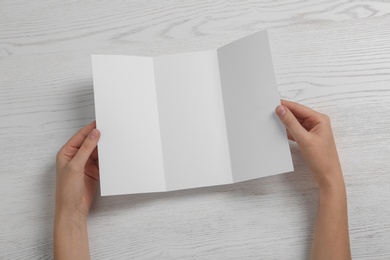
(70, 239)
(331, 236)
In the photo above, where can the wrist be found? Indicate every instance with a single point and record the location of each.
(329, 177)
(70, 237)
(333, 186)
(70, 218)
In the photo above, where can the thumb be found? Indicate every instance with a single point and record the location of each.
(87, 148)
(291, 123)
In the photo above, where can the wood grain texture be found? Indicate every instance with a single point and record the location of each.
(331, 55)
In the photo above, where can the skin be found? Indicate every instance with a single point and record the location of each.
(76, 181)
(313, 133)
(78, 175)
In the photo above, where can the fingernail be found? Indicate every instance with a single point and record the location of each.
(94, 134)
(281, 110)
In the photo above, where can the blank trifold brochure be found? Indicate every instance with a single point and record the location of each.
(188, 120)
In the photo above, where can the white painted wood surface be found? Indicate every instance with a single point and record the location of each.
(331, 55)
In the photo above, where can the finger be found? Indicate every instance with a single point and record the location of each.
(95, 155)
(92, 170)
(86, 149)
(94, 158)
(299, 110)
(291, 123)
(70, 148)
(78, 138)
(289, 136)
(90, 189)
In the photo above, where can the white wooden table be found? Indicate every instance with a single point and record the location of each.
(331, 55)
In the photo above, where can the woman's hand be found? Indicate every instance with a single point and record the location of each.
(313, 133)
(77, 173)
(76, 182)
